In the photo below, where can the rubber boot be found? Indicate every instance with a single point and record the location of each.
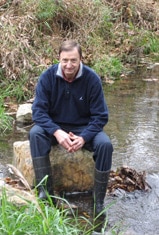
(42, 168)
(100, 187)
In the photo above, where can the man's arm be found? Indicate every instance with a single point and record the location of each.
(41, 106)
(98, 113)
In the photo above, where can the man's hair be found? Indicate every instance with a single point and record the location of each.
(69, 45)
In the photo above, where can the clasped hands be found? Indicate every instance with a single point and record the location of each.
(69, 141)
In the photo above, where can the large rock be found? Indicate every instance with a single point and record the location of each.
(72, 171)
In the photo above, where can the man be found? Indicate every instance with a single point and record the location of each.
(69, 109)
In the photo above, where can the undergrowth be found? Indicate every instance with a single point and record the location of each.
(111, 33)
(6, 121)
(43, 218)
(29, 219)
(32, 31)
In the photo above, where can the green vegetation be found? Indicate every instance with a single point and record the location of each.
(112, 35)
(6, 121)
(152, 46)
(41, 218)
(30, 220)
(16, 89)
(111, 66)
(46, 10)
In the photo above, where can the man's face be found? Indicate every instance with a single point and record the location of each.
(70, 62)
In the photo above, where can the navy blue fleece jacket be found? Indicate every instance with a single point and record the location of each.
(78, 103)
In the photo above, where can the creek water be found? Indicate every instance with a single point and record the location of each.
(134, 130)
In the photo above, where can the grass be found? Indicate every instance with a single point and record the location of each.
(110, 67)
(46, 10)
(152, 45)
(6, 121)
(43, 219)
(11, 90)
(29, 220)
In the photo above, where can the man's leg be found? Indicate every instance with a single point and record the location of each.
(103, 160)
(40, 146)
(102, 147)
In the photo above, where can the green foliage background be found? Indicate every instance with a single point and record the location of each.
(114, 36)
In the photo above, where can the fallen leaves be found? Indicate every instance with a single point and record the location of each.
(127, 179)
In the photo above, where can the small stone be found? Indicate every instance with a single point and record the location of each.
(24, 113)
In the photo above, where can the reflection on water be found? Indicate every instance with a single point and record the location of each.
(134, 130)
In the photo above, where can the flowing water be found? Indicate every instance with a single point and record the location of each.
(134, 130)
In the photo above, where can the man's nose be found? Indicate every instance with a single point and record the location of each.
(69, 64)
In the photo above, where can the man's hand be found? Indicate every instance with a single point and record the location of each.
(77, 141)
(69, 141)
(63, 138)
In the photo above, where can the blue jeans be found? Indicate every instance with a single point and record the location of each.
(41, 143)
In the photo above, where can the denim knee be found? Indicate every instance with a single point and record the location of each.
(35, 130)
